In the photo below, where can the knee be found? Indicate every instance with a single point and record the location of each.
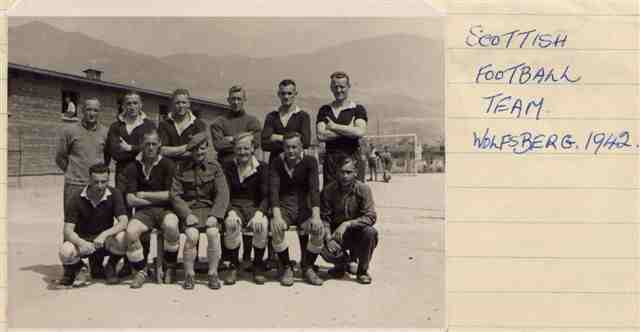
(232, 223)
(370, 233)
(117, 244)
(170, 223)
(260, 227)
(212, 233)
(192, 236)
(134, 229)
(67, 252)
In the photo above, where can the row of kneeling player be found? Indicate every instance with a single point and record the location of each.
(198, 195)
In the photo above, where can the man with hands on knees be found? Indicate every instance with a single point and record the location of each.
(200, 197)
(295, 199)
(147, 183)
(89, 230)
(348, 208)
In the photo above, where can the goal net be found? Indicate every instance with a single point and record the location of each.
(404, 149)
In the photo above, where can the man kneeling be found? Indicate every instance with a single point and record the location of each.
(347, 206)
(148, 181)
(200, 196)
(89, 229)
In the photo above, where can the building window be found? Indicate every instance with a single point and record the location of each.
(163, 112)
(69, 105)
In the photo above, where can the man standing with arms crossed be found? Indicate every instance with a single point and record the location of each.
(340, 125)
(181, 124)
(80, 145)
(232, 123)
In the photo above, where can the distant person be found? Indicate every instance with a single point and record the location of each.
(179, 127)
(232, 123)
(286, 119)
(89, 230)
(148, 181)
(340, 125)
(248, 181)
(81, 145)
(70, 112)
(372, 158)
(347, 206)
(295, 200)
(200, 197)
(387, 164)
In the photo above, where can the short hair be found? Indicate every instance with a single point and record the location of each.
(152, 132)
(292, 135)
(343, 159)
(99, 168)
(237, 138)
(131, 93)
(287, 82)
(339, 75)
(92, 98)
(178, 92)
(238, 88)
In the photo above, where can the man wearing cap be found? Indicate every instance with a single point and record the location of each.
(89, 230)
(232, 123)
(287, 118)
(340, 125)
(181, 124)
(248, 181)
(200, 197)
(148, 181)
(347, 207)
(295, 199)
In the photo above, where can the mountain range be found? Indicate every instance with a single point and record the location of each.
(399, 78)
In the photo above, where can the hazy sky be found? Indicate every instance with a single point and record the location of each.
(254, 37)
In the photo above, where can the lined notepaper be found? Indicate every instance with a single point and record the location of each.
(542, 225)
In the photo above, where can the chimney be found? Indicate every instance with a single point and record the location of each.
(93, 74)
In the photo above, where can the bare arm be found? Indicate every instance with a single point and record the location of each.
(71, 235)
(175, 151)
(359, 129)
(324, 134)
(120, 226)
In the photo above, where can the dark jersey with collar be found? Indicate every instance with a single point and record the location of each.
(159, 179)
(303, 181)
(92, 220)
(298, 122)
(170, 137)
(253, 189)
(118, 130)
(345, 144)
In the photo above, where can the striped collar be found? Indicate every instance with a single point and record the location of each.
(253, 169)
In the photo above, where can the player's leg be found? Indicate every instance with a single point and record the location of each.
(214, 252)
(71, 262)
(135, 254)
(313, 246)
(361, 243)
(260, 229)
(232, 240)
(190, 252)
(289, 209)
(171, 231)
(117, 247)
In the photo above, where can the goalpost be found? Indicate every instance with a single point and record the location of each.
(404, 148)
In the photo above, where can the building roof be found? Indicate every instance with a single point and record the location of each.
(125, 87)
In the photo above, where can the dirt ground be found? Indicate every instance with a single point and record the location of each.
(407, 271)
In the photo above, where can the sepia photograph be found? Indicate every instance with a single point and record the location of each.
(226, 172)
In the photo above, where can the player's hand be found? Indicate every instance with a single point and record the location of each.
(256, 226)
(228, 139)
(98, 242)
(124, 146)
(212, 221)
(191, 220)
(333, 246)
(141, 194)
(316, 225)
(330, 124)
(86, 248)
(339, 232)
(278, 224)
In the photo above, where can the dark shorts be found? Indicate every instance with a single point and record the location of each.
(202, 214)
(294, 210)
(152, 217)
(372, 163)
